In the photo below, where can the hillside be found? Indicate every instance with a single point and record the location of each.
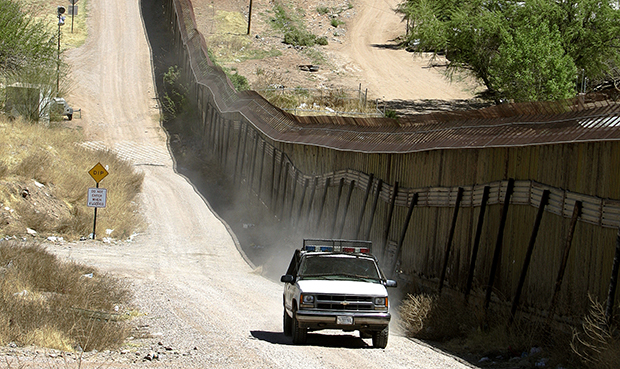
(354, 58)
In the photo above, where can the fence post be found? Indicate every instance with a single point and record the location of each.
(237, 155)
(223, 131)
(301, 202)
(613, 282)
(243, 154)
(455, 214)
(229, 128)
(374, 208)
(221, 137)
(283, 189)
(403, 233)
(544, 200)
(290, 208)
(216, 127)
(252, 164)
(346, 208)
(335, 219)
(363, 210)
(315, 184)
(206, 125)
(318, 219)
(214, 120)
(276, 182)
(565, 254)
(273, 176)
(388, 225)
(474, 252)
(260, 170)
(498, 243)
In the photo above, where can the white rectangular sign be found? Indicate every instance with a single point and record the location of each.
(97, 197)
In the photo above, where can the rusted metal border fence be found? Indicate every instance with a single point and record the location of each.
(240, 128)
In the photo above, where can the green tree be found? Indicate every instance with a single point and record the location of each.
(525, 51)
(28, 50)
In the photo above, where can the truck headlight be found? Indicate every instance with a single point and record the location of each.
(307, 299)
(380, 301)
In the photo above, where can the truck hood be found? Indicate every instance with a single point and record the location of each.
(341, 287)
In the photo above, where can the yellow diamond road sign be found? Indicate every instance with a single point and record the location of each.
(98, 172)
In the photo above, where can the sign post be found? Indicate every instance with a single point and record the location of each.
(97, 197)
(73, 9)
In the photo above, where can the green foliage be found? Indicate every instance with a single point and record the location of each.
(335, 22)
(240, 82)
(28, 51)
(551, 72)
(294, 31)
(321, 41)
(392, 114)
(322, 10)
(174, 100)
(524, 51)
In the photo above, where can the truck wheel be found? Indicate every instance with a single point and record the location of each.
(380, 338)
(300, 334)
(69, 116)
(288, 324)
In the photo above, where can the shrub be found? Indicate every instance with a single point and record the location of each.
(335, 22)
(240, 82)
(322, 10)
(595, 343)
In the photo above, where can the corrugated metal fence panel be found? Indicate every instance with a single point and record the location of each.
(409, 151)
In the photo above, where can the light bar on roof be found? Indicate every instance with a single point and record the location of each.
(330, 245)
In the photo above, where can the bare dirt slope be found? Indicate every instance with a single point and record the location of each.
(202, 300)
(363, 49)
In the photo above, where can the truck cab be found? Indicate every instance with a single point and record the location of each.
(336, 284)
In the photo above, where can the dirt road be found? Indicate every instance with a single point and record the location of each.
(202, 299)
(390, 72)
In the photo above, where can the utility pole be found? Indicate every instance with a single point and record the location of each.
(61, 21)
(250, 17)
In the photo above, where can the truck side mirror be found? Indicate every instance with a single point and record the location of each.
(391, 283)
(287, 278)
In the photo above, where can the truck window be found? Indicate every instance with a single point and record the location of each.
(338, 266)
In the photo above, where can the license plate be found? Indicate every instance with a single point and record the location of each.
(344, 320)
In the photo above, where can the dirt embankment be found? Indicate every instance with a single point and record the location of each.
(362, 52)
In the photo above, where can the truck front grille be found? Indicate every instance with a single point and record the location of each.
(344, 302)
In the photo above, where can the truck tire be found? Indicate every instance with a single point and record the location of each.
(69, 116)
(288, 324)
(300, 334)
(380, 338)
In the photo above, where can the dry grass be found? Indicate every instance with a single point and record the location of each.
(465, 329)
(44, 183)
(435, 318)
(311, 101)
(230, 43)
(54, 304)
(597, 344)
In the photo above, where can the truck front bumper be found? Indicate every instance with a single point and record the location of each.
(315, 320)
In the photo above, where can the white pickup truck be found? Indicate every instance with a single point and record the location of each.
(336, 284)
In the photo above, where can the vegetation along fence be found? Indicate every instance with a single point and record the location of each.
(514, 205)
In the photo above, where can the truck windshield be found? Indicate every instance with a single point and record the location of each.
(338, 267)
